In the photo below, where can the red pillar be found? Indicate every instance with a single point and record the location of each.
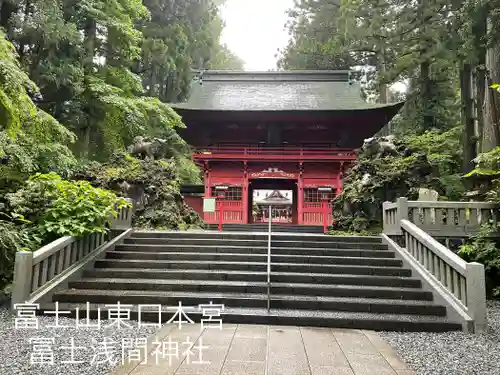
(300, 198)
(208, 190)
(245, 196)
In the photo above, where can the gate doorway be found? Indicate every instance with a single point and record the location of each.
(280, 193)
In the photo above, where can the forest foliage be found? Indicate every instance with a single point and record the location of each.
(105, 69)
(445, 53)
(446, 56)
(79, 80)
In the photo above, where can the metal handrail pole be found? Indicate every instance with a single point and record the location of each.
(269, 261)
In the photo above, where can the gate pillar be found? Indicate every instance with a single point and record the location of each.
(244, 196)
(300, 197)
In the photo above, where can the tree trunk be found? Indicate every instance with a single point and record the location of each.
(7, 10)
(22, 44)
(491, 137)
(89, 45)
(112, 58)
(5, 14)
(153, 84)
(382, 69)
(88, 65)
(479, 30)
(426, 95)
(469, 140)
(161, 84)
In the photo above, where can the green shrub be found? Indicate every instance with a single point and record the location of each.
(484, 249)
(13, 238)
(485, 246)
(57, 207)
(357, 233)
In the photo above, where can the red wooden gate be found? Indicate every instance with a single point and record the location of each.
(314, 213)
(232, 213)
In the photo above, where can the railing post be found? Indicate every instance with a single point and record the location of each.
(23, 271)
(130, 213)
(123, 220)
(401, 213)
(385, 223)
(476, 294)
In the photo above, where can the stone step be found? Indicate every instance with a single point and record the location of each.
(367, 280)
(284, 277)
(300, 242)
(256, 250)
(338, 319)
(190, 299)
(313, 259)
(254, 236)
(253, 266)
(250, 287)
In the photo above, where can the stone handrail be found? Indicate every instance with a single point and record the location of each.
(37, 271)
(457, 284)
(439, 219)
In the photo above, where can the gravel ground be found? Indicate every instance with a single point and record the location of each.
(454, 353)
(16, 349)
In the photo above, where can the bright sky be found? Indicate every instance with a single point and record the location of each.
(255, 30)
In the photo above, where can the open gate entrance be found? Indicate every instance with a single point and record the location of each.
(280, 193)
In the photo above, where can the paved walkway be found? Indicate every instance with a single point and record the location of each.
(267, 350)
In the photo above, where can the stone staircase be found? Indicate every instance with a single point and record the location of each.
(316, 280)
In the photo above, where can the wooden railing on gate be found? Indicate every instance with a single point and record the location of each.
(232, 213)
(263, 153)
(315, 213)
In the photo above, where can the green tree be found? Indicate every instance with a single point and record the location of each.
(311, 27)
(225, 59)
(30, 139)
(447, 52)
(105, 68)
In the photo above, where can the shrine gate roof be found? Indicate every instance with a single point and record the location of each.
(274, 197)
(277, 91)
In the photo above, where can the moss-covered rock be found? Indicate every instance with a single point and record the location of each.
(431, 160)
(152, 184)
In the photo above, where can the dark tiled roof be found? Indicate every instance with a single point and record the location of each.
(275, 91)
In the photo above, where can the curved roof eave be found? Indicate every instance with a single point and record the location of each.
(398, 105)
(387, 111)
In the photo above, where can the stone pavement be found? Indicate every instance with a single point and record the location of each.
(268, 350)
